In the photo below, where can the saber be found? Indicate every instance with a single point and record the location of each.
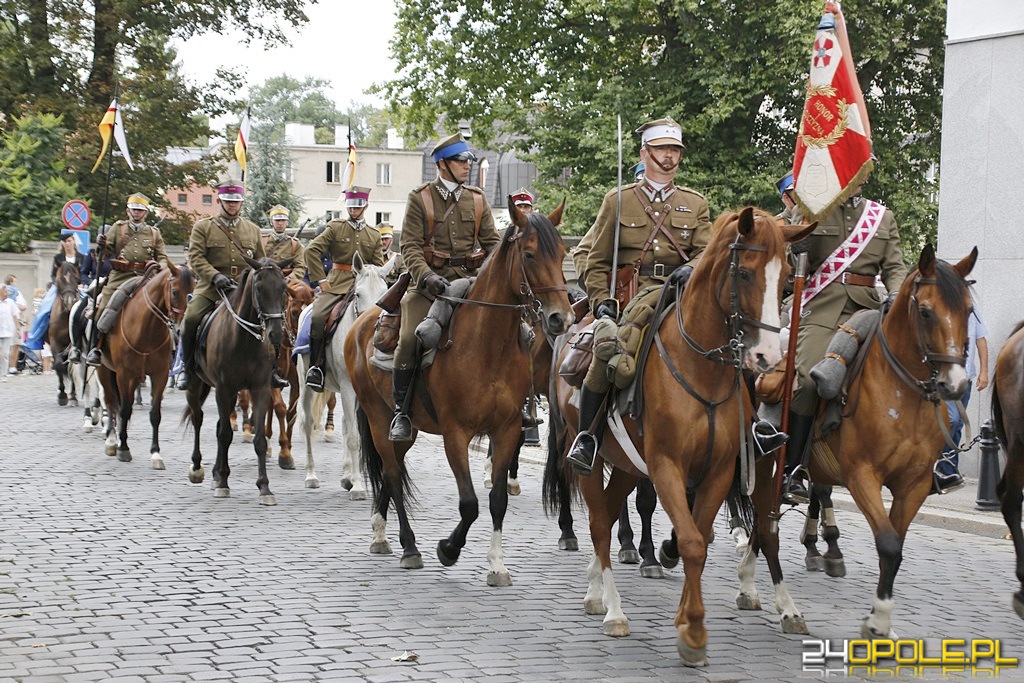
(614, 280)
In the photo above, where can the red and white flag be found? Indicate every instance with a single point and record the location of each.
(833, 147)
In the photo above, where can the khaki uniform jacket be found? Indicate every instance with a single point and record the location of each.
(455, 237)
(211, 252)
(881, 256)
(146, 245)
(689, 223)
(341, 239)
(580, 255)
(287, 248)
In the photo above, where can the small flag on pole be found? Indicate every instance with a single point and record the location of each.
(242, 141)
(349, 175)
(111, 123)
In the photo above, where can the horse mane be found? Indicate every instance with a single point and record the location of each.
(950, 285)
(186, 278)
(548, 238)
(724, 231)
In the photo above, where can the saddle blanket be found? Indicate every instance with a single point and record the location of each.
(302, 335)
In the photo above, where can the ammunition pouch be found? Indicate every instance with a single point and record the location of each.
(577, 361)
(636, 323)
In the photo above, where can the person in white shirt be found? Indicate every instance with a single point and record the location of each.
(8, 328)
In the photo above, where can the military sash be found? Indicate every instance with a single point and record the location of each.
(847, 252)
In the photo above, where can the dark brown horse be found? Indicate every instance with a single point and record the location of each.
(727, 318)
(1008, 416)
(141, 345)
(239, 355)
(59, 334)
(894, 435)
(477, 384)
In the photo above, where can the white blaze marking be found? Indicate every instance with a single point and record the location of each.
(768, 344)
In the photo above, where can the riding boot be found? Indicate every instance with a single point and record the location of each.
(794, 487)
(315, 374)
(946, 479)
(95, 357)
(530, 418)
(188, 360)
(276, 380)
(401, 425)
(584, 448)
(767, 438)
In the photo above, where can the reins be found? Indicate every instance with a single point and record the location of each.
(258, 331)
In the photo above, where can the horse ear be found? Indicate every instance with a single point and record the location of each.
(253, 263)
(556, 216)
(745, 223)
(926, 264)
(967, 264)
(517, 216)
(386, 269)
(285, 263)
(795, 233)
(357, 262)
(173, 269)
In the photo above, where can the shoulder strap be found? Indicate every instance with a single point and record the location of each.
(478, 215)
(231, 238)
(659, 223)
(428, 209)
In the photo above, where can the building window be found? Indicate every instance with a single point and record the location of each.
(383, 217)
(332, 215)
(334, 172)
(288, 173)
(207, 200)
(383, 174)
(182, 198)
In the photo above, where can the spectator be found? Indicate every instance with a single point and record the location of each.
(14, 295)
(8, 327)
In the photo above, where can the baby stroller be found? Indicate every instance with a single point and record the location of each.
(28, 360)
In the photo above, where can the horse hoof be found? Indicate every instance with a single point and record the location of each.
(616, 628)
(629, 556)
(488, 483)
(234, 426)
(445, 558)
(157, 463)
(312, 483)
(196, 476)
(835, 568)
(358, 494)
(380, 548)
(872, 633)
(222, 493)
(1018, 604)
(499, 579)
(346, 483)
(414, 561)
(514, 489)
(573, 544)
(652, 571)
(109, 450)
(286, 463)
(741, 549)
(62, 400)
(748, 601)
(247, 437)
(794, 623)
(124, 454)
(87, 428)
(814, 563)
(268, 499)
(329, 436)
(667, 561)
(594, 606)
(691, 656)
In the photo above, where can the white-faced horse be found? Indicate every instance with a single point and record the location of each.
(369, 286)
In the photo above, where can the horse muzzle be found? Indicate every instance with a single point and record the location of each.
(557, 323)
(952, 384)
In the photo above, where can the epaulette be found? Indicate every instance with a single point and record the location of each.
(690, 190)
(473, 188)
(419, 188)
(372, 227)
(614, 190)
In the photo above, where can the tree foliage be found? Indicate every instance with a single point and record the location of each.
(266, 178)
(556, 75)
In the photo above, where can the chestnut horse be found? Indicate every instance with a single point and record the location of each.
(239, 354)
(141, 345)
(1008, 416)
(477, 384)
(726, 318)
(895, 432)
(59, 333)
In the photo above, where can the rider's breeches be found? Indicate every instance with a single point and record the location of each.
(811, 345)
(197, 309)
(322, 305)
(414, 309)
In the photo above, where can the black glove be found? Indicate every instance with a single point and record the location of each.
(801, 247)
(680, 276)
(101, 241)
(434, 283)
(890, 300)
(605, 309)
(223, 283)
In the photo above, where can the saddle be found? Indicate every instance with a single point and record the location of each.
(335, 316)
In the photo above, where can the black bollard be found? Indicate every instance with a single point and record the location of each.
(532, 436)
(988, 475)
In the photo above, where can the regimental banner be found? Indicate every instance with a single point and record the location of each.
(833, 146)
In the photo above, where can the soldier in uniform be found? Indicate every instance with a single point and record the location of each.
(447, 231)
(131, 246)
(279, 245)
(672, 221)
(387, 236)
(785, 187)
(852, 291)
(582, 250)
(342, 240)
(217, 262)
(523, 200)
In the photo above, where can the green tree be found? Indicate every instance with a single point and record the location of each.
(557, 74)
(267, 176)
(34, 182)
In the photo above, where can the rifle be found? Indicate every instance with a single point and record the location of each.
(393, 297)
(298, 233)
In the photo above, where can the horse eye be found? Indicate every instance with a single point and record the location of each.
(529, 256)
(745, 274)
(926, 313)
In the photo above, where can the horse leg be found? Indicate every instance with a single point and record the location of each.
(126, 388)
(352, 478)
(627, 550)
(456, 447)
(568, 540)
(260, 404)
(835, 565)
(87, 400)
(332, 402)
(245, 406)
(809, 536)
(307, 420)
(646, 502)
(1011, 496)
(111, 397)
(156, 397)
(604, 503)
(196, 396)
(505, 444)
(284, 454)
(736, 526)
(514, 489)
(61, 368)
(221, 468)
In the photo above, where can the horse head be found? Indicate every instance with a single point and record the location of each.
(180, 283)
(268, 295)
(535, 249)
(66, 283)
(747, 255)
(932, 307)
(370, 283)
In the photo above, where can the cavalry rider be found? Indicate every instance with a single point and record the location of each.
(582, 250)
(663, 227)
(785, 187)
(446, 233)
(523, 200)
(216, 248)
(131, 246)
(387, 236)
(851, 291)
(342, 239)
(279, 245)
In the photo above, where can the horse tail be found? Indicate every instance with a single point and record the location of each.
(558, 479)
(373, 464)
(187, 418)
(997, 406)
(740, 504)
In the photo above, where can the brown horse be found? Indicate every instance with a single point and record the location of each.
(477, 384)
(1008, 416)
(894, 434)
(239, 354)
(141, 345)
(59, 333)
(726, 318)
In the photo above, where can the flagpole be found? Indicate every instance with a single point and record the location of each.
(248, 117)
(101, 253)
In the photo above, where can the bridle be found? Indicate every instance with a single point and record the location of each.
(258, 331)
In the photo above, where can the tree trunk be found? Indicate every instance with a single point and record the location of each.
(105, 35)
(40, 51)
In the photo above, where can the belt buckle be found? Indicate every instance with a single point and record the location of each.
(233, 272)
(659, 270)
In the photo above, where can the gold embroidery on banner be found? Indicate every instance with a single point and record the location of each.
(830, 138)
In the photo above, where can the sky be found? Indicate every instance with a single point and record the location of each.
(329, 46)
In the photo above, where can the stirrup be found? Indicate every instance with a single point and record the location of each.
(576, 456)
(946, 483)
(767, 437)
(277, 381)
(401, 428)
(75, 356)
(315, 379)
(183, 381)
(795, 497)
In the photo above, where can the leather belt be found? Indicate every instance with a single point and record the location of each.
(123, 266)
(456, 261)
(231, 271)
(342, 266)
(657, 270)
(860, 280)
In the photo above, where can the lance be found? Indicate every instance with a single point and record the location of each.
(613, 279)
(101, 253)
